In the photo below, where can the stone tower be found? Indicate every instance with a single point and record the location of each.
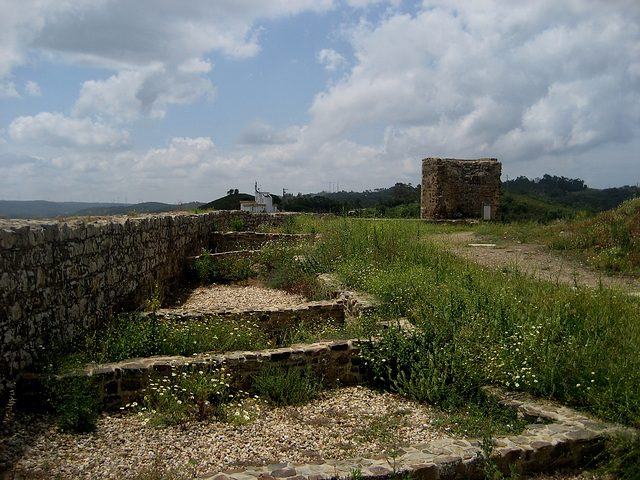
(453, 188)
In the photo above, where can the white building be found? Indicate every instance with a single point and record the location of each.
(263, 203)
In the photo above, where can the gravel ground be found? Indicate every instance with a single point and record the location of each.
(345, 423)
(246, 296)
(532, 259)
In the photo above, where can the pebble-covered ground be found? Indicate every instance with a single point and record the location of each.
(248, 296)
(345, 423)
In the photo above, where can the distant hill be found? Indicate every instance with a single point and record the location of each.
(541, 199)
(147, 207)
(553, 197)
(45, 209)
(229, 202)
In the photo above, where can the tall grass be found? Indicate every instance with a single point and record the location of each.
(476, 326)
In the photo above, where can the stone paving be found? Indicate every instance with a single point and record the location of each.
(570, 440)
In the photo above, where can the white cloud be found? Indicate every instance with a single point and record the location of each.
(56, 130)
(20, 24)
(522, 81)
(259, 132)
(120, 34)
(331, 59)
(32, 89)
(493, 78)
(8, 90)
(131, 94)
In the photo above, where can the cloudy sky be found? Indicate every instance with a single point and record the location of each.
(165, 100)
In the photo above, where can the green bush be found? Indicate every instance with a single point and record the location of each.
(237, 225)
(206, 267)
(75, 403)
(224, 270)
(190, 392)
(293, 268)
(286, 386)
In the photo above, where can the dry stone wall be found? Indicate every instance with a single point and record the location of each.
(454, 188)
(228, 241)
(58, 278)
(335, 361)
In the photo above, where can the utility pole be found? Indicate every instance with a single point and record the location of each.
(284, 192)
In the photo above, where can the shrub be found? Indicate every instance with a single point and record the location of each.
(237, 225)
(286, 386)
(206, 267)
(190, 392)
(231, 269)
(75, 403)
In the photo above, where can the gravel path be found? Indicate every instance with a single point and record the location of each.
(232, 297)
(531, 259)
(345, 423)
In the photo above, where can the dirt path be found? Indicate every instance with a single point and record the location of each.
(531, 259)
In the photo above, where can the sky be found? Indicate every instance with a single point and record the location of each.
(179, 101)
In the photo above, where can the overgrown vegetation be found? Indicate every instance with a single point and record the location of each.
(73, 400)
(144, 335)
(223, 270)
(474, 326)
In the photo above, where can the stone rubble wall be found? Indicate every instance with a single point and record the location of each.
(119, 384)
(59, 278)
(336, 361)
(453, 188)
(227, 241)
(273, 320)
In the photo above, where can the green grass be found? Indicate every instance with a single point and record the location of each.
(475, 326)
(134, 335)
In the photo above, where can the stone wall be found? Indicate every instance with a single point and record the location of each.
(227, 241)
(454, 188)
(58, 278)
(335, 361)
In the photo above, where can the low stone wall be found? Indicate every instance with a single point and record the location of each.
(572, 440)
(228, 241)
(336, 361)
(59, 278)
(275, 320)
(346, 307)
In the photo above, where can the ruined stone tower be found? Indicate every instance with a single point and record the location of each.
(453, 188)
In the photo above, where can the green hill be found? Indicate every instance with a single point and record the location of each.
(147, 207)
(229, 202)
